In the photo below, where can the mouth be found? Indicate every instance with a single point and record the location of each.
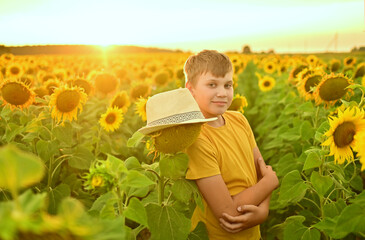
(219, 102)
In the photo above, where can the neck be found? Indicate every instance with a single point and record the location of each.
(217, 123)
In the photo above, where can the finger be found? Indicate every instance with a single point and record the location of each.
(246, 208)
(229, 230)
(231, 226)
(233, 219)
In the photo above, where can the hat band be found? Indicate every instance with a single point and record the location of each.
(177, 118)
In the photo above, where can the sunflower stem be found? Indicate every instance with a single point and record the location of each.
(97, 143)
(161, 188)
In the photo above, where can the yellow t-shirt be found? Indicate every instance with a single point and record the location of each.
(226, 150)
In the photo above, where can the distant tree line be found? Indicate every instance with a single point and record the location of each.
(77, 49)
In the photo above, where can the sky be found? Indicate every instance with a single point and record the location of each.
(286, 26)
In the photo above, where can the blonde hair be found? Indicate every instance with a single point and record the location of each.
(205, 61)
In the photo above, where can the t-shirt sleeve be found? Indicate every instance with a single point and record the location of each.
(251, 136)
(202, 160)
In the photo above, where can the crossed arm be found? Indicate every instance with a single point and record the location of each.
(255, 199)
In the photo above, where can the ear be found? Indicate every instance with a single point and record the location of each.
(189, 86)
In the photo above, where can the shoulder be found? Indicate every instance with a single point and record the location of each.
(236, 116)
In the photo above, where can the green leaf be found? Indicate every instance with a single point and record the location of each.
(12, 130)
(292, 188)
(287, 164)
(354, 86)
(19, 169)
(100, 202)
(327, 225)
(30, 202)
(294, 228)
(112, 229)
(81, 158)
(132, 163)
(292, 134)
(183, 189)
(199, 233)
(174, 166)
(306, 107)
(167, 223)
(137, 180)
(318, 136)
(47, 149)
(136, 212)
(351, 220)
(311, 234)
(306, 131)
(115, 165)
(334, 209)
(321, 183)
(64, 133)
(56, 195)
(135, 139)
(313, 160)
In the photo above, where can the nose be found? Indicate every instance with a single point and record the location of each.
(221, 92)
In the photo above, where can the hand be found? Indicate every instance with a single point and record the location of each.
(251, 216)
(267, 172)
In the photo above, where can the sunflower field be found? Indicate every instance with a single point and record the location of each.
(73, 166)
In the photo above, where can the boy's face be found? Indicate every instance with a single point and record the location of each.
(213, 94)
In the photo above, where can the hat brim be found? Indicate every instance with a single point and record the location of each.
(150, 129)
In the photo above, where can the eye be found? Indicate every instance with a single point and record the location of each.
(228, 85)
(211, 84)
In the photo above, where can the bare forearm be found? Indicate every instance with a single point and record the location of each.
(254, 195)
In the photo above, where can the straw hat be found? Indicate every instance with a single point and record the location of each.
(172, 108)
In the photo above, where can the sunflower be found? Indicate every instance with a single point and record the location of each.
(51, 85)
(141, 108)
(349, 61)
(40, 92)
(140, 90)
(360, 71)
(266, 83)
(106, 83)
(176, 139)
(27, 80)
(66, 101)
(44, 76)
(121, 100)
(335, 65)
(238, 103)
(14, 70)
(16, 94)
(112, 119)
(306, 86)
(295, 71)
(82, 83)
(61, 74)
(7, 57)
(161, 78)
(360, 147)
(342, 131)
(270, 67)
(312, 60)
(309, 71)
(332, 88)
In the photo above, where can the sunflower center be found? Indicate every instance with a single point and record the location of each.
(267, 83)
(15, 93)
(14, 70)
(312, 82)
(349, 61)
(110, 119)
(333, 88)
(344, 134)
(119, 102)
(67, 101)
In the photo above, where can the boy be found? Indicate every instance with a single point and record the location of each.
(224, 161)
